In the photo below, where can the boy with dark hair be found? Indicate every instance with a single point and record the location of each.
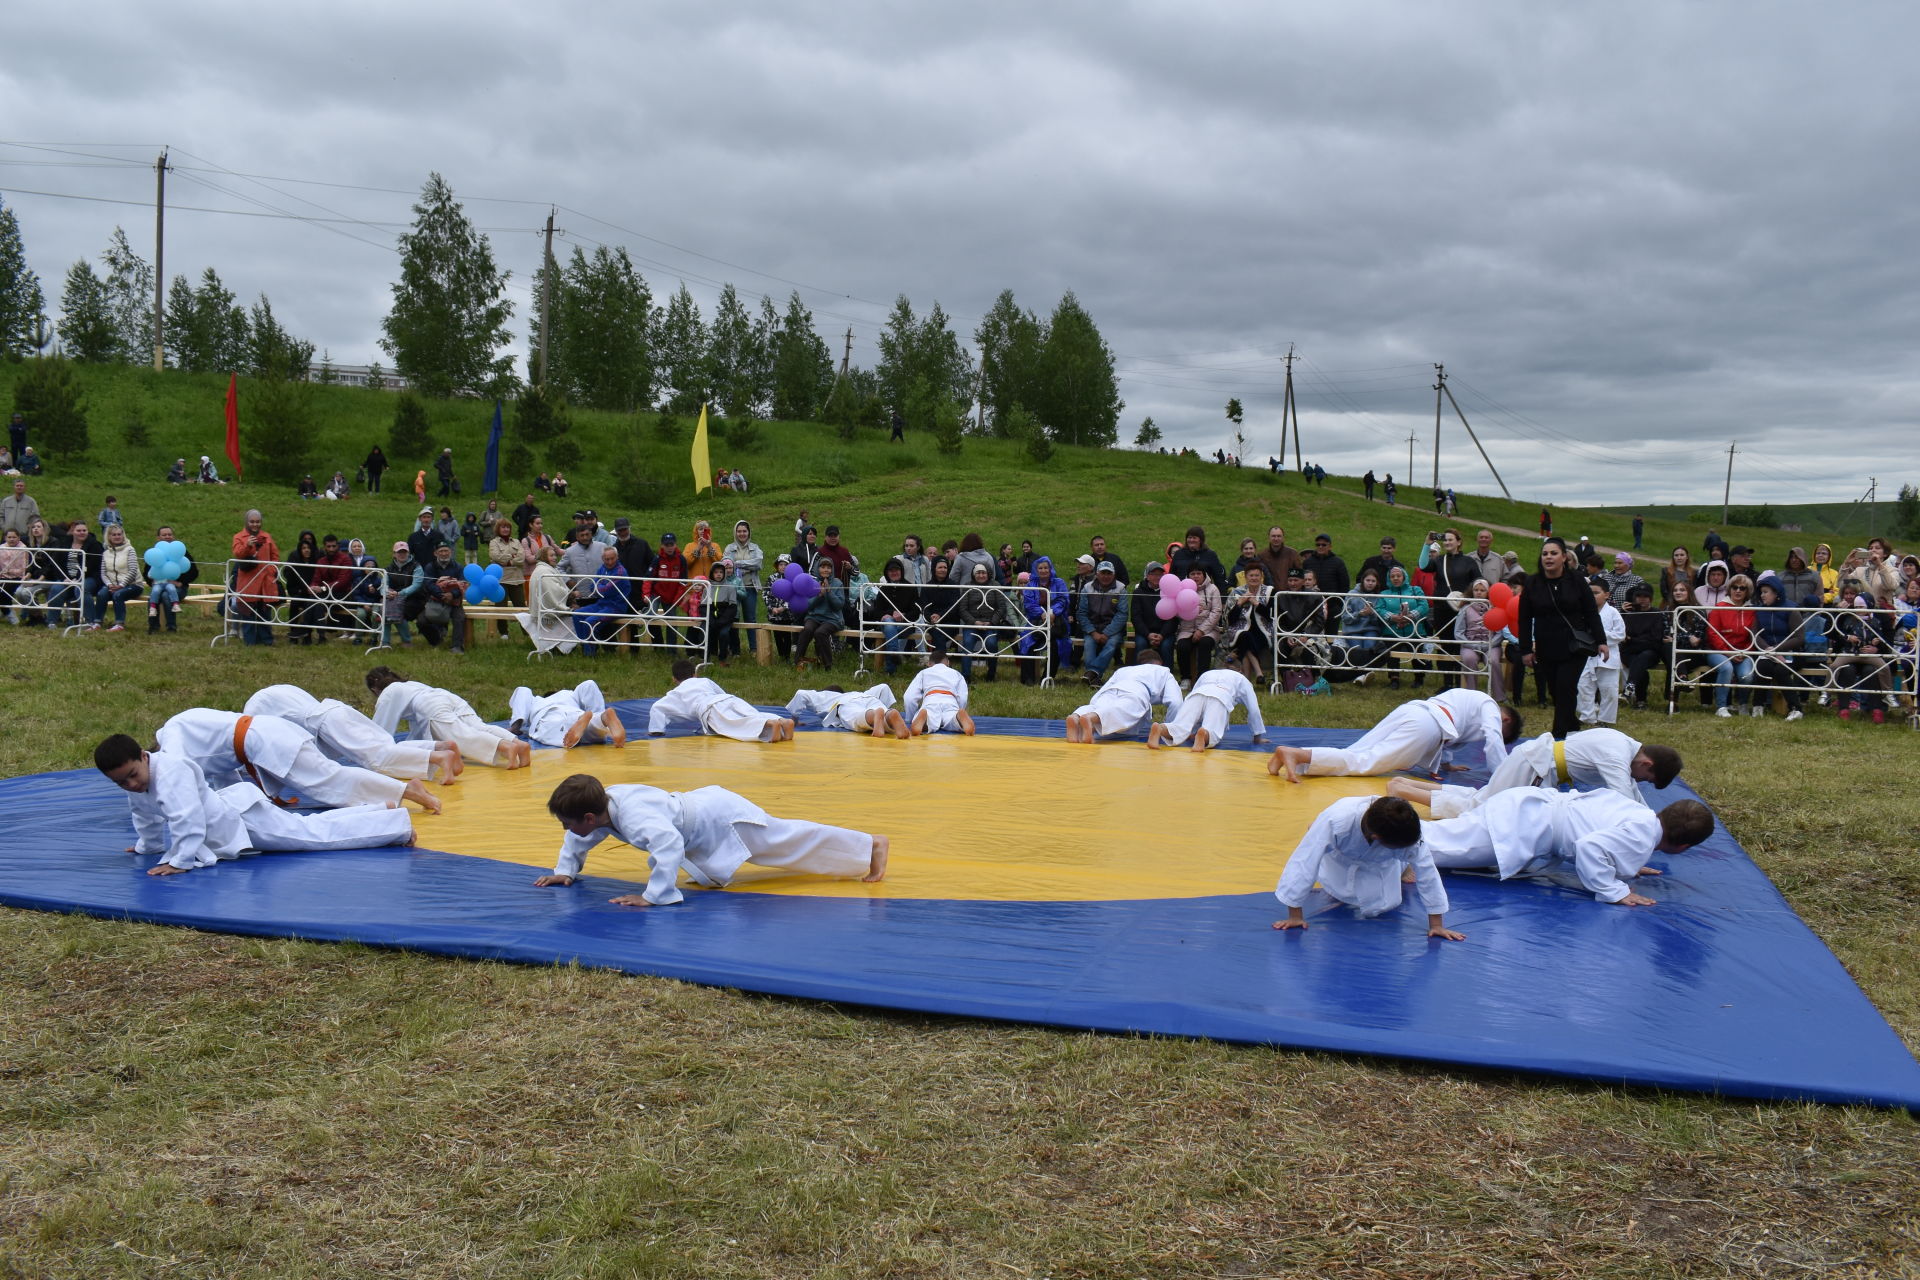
(936, 699)
(710, 833)
(1125, 702)
(1362, 850)
(190, 825)
(1596, 840)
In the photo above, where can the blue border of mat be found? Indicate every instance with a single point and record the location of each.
(1719, 989)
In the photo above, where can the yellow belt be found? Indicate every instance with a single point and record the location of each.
(1560, 762)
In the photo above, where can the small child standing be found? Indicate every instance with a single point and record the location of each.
(1599, 691)
(726, 610)
(710, 832)
(470, 537)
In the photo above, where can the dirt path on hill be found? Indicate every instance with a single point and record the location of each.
(1639, 557)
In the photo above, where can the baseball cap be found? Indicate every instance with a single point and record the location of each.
(623, 523)
(1154, 566)
(669, 536)
(1105, 566)
(400, 546)
(425, 511)
(1086, 560)
(1321, 537)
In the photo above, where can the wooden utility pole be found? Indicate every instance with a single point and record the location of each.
(1440, 371)
(1410, 439)
(1726, 495)
(1290, 410)
(846, 356)
(980, 382)
(546, 302)
(160, 263)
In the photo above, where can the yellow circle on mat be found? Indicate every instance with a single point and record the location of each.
(992, 819)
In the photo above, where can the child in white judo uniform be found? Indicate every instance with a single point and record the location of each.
(346, 735)
(441, 716)
(1603, 758)
(699, 701)
(280, 758)
(862, 711)
(937, 697)
(1126, 700)
(1204, 715)
(190, 825)
(1412, 736)
(1598, 840)
(566, 717)
(1597, 697)
(708, 833)
(1361, 850)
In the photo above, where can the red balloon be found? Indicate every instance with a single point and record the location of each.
(1501, 594)
(1497, 619)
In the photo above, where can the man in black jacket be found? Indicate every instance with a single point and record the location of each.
(1149, 630)
(1196, 554)
(1328, 569)
(1382, 563)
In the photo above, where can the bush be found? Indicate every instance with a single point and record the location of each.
(411, 439)
(839, 468)
(670, 429)
(741, 433)
(135, 433)
(276, 430)
(565, 454)
(634, 484)
(55, 410)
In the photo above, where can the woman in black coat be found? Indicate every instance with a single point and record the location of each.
(1553, 603)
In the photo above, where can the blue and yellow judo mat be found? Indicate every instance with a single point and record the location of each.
(1107, 887)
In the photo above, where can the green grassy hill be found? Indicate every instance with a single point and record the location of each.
(876, 491)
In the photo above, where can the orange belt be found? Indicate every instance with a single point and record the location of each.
(1443, 711)
(948, 692)
(240, 728)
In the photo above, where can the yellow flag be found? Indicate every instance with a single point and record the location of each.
(702, 464)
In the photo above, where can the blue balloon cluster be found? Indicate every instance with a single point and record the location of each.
(483, 585)
(166, 561)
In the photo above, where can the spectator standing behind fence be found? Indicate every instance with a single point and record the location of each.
(1194, 552)
(18, 510)
(523, 516)
(510, 554)
(1559, 630)
(297, 581)
(1329, 570)
(1679, 568)
(256, 577)
(702, 551)
(1621, 579)
(747, 559)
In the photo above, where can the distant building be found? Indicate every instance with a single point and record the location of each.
(356, 375)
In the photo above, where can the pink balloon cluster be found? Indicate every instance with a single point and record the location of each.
(795, 586)
(1178, 598)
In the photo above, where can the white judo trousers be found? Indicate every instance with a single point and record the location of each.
(343, 732)
(436, 715)
(706, 704)
(1597, 840)
(1210, 704)
(842, 710)
(280, 757)
(546, 720)
(1413, 735)
(1594, 758)
(1125, 702)
(938, 690)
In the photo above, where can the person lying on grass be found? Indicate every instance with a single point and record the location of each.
(709, 833)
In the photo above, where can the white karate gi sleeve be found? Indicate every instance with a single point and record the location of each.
(1605, 859)
(1169, 694)
(1426, 878)
(665, 709)
(1303, 868)
(172, 820)
(389, 709)
(574, 850)
(916, 694)
(1491, 741)
(1250, 699)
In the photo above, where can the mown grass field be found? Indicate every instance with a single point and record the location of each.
(196, 1105)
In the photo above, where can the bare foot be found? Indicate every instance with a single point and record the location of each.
(413, 838)
(919, 725)
(786, 730)
(417, 792)
(452, 751)
(1201, 740)
(1073, 728)
(877, 865)
(444, 766)
(616, 732)
(577, 730)
(1285, 760)
(1158, 735)
(519, 755)
(897, 726)
(966, 722)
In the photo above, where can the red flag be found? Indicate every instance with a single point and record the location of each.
(233, 422)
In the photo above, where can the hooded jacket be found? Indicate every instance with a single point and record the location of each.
(1829, 574)
(1037, 601)
(1404, 599)
(1799, 587)
(1707, 594)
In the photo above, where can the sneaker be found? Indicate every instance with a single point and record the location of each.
(1879, 716)
(1823, 699)
(91, 626)
(1362, 677)
(1793, 715)
(1724, 713)
(116, 627)
(1846, 713)
(1758, 711)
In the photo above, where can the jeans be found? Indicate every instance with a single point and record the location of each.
(1725, 667)
(1100, 656)
(166, 594)
(749, 604)
(892, 649)
(117, 597)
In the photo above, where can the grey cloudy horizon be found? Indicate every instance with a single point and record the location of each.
(1632, 233)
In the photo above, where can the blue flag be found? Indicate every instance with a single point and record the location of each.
(492, 483)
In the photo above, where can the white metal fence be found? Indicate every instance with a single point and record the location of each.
(674, 614)
(1832, 654)
(967, 641)
(301, 607)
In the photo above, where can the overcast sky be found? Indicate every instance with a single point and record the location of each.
(1632, 232)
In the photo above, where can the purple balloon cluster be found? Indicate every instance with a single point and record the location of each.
(483, 585)
(795, 586)
(1178, 598)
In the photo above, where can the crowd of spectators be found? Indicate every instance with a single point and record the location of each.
(1815, 631)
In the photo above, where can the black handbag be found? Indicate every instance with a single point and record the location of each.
(1581, 642)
